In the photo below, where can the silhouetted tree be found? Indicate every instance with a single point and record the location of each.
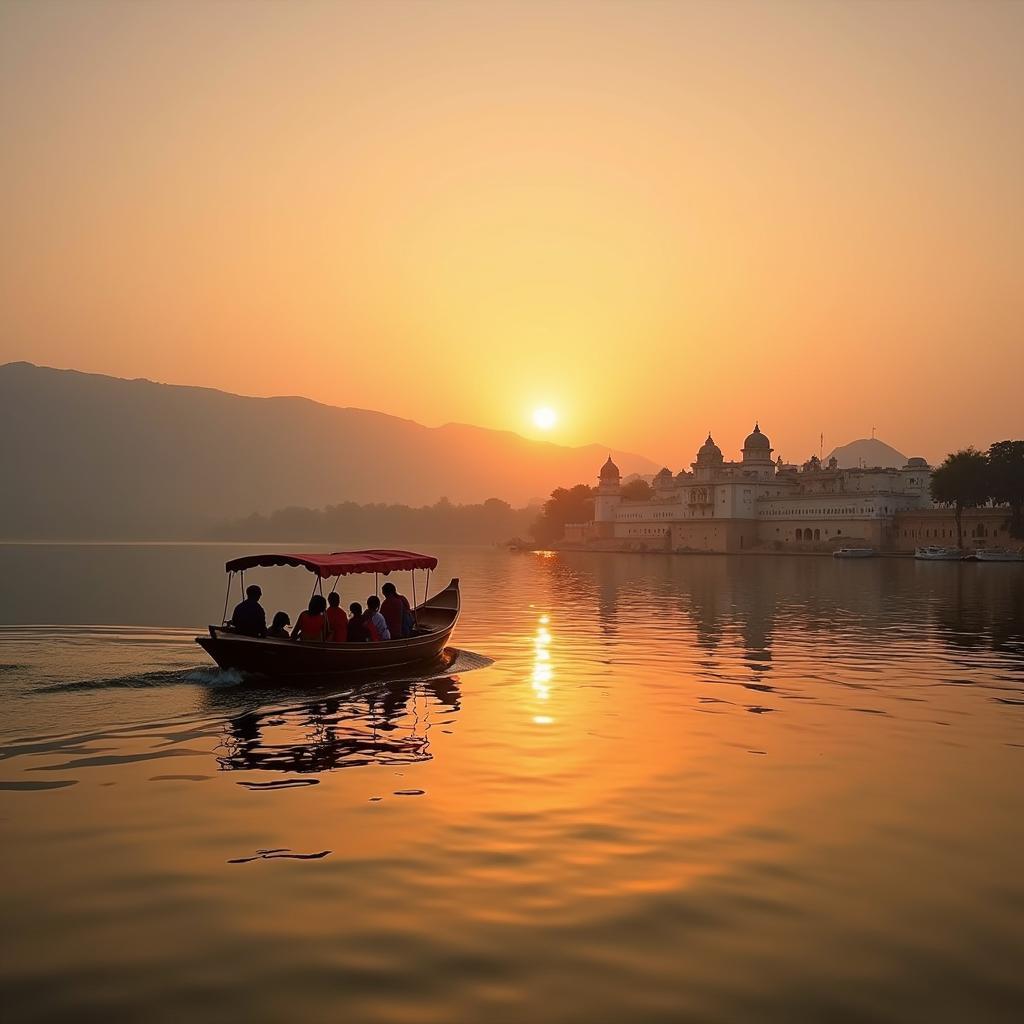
(575, 505)
(636, 490)
(1006, 480)
(963, 482)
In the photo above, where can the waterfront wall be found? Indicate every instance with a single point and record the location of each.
(983, 528)
(903, 531)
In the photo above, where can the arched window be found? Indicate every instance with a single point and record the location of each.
(817, 534)
(799, 535)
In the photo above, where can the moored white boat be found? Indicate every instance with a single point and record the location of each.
(998, 555)
(934, 553)
(853, 553)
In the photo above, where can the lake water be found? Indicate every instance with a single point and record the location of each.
(681, 789)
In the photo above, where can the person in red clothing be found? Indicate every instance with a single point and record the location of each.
(396, 611)
(312, 624)
(337, 620)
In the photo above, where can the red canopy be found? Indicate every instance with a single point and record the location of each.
(339, 563)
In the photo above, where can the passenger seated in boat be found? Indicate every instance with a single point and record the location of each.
(249, 617)
(312, 624)
(357, 632)
(337, 620)
(279, 627)
(396, 611)
(374, 621)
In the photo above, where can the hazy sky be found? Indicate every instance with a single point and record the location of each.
(654, 217)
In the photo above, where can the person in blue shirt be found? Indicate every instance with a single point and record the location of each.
(374, 621)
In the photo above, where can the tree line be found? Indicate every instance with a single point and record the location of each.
(970, 478)
(576, 505)
(966, 479)
(491, 521)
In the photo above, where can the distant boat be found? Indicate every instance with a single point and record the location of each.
(998, 555)
(933, 553)
(853, 553)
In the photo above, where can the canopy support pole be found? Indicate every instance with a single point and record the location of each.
(414, 595)
(376, 584)
(241, 585)
(227, 597)
(426, 588)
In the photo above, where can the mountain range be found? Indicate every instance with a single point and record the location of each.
(87, 456)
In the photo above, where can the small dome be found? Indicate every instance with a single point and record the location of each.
(610, 471)
(709, 451)
(757, 440)
(917, 463)
(664, 474)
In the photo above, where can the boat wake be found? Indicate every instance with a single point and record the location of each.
(214, 677)
(453, 661)
(129, 681)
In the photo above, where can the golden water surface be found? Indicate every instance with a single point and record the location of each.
(643, 788)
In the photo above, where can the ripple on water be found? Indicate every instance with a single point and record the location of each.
(23, 786)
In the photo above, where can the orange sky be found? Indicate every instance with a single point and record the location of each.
(656, 218)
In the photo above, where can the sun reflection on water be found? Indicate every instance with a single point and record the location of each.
(540, 679)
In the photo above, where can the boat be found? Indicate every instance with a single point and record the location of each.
(998, 555)
(853, 553)
(934, 553)
(435, 617)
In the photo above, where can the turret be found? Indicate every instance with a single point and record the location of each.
(608, 492)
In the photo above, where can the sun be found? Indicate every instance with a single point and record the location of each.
(544, 417)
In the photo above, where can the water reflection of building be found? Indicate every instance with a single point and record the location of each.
(387, 724)
(975, 608)
(710, 601)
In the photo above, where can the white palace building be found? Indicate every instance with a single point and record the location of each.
(758, 503)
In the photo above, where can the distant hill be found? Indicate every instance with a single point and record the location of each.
(86, 456)
(868, 452)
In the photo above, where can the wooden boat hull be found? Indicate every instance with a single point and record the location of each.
(271, 657)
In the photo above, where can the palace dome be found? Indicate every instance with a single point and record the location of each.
(609, 471)
(757, 440)
(709, 451)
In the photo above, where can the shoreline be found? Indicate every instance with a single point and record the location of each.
(751, 552)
